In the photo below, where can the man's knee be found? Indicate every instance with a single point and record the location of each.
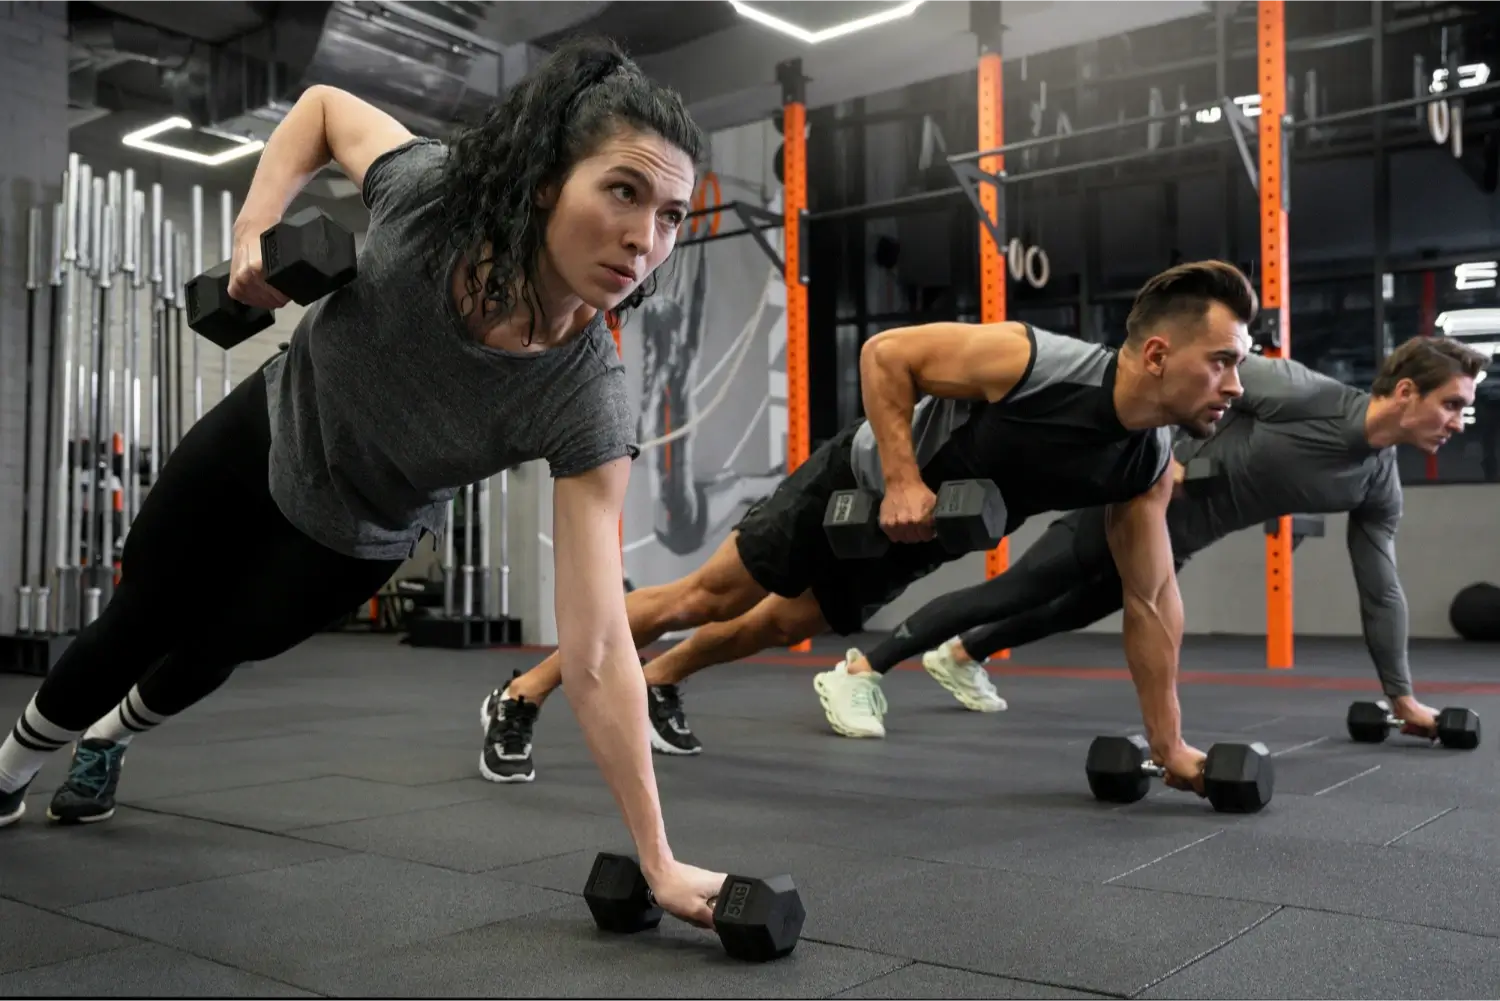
(790, 622)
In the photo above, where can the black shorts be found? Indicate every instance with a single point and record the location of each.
(782, 545)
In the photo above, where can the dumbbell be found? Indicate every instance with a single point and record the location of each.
(1371, 722)
(306, 256)
(1238, 778)
(969, 516)
(757, 919)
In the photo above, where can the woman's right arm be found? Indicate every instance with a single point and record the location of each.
(325, 124)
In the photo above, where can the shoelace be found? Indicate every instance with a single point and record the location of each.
(90, 771)
(670, 697)
(516, 719)
(977, 678)
(868, 698)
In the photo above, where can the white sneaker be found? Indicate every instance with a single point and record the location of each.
(853, 703)
(968, 682)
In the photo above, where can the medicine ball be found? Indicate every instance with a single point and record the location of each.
(1475, 613)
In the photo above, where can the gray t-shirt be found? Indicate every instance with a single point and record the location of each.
(1296, 442)
(383, 406)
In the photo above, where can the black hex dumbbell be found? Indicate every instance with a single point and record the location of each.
(969, 516)
(1238, 778)
(306, 256)
(1372, 722)
(757, 920)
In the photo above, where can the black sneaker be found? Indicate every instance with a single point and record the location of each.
(507, 738)
(88, 796)
(13, 805)
(669, 729)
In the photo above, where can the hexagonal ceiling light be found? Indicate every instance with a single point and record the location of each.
(778, 17)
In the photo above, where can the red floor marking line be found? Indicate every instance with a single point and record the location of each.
(1241, 679)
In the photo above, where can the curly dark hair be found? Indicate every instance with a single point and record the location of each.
(560, 114)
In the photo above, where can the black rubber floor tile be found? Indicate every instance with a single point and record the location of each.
(144, 970)
(33, 937)
(560, 953)
(278, 922)
(53, 866)
(923, 980)
(475, 836)
(330, 799)
(1107, 939)
(1310, 954)
(1447, 892)
(1473, 834)
(1323, 818)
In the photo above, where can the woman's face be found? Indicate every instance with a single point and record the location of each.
(616, 218)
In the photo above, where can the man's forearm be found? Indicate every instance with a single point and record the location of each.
(889, 394)
(610, 702)
(1385, 629)
(1153, 637)
(1382, 603)
(297, 149)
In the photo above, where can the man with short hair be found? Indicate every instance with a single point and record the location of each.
(1056, 423)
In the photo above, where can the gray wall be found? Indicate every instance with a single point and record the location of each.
(1447, 541)
(714, 301)
(33, 78)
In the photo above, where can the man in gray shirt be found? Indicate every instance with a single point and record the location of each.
(1296, 441)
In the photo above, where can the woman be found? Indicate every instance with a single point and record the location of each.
(472, 340)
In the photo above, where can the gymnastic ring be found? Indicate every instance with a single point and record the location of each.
(1015, 255)
(1038, 267)
(1438, 121)
(1456, 133)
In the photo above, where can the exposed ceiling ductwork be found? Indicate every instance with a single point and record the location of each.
(431, 64)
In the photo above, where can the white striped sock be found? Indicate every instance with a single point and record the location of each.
(26, 749)
(125, 720)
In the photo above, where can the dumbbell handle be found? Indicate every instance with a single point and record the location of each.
(651, 898)
(1154, 770)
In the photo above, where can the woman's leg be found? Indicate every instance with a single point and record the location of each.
(201, 487)
(285, 589)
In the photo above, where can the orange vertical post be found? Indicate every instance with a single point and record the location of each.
(1275, 294)
(992, 270)
(794, 208)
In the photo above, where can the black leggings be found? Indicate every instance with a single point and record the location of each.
(212, 576)
(1084, 605)
(1062, 578)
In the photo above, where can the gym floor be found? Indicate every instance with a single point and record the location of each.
(319, 827)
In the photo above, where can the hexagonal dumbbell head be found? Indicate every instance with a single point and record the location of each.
(619, 897)
(1368, 722)
(1116, 768)
(211, 313)
(1458, 729)
(758, 919)
(1239, 778)
(307, 255)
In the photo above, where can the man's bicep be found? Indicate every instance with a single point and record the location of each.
(958, 360)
